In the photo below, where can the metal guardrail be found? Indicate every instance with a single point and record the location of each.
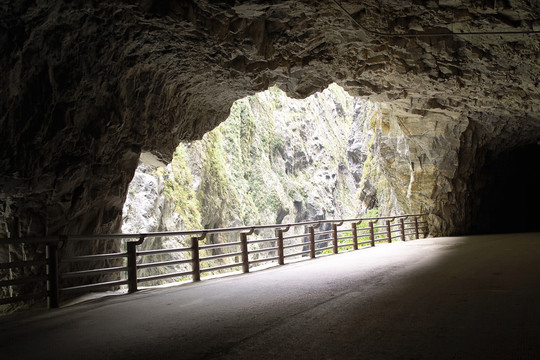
(50, 271)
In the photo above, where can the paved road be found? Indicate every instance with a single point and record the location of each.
(444, 298)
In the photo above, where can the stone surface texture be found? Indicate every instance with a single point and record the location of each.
(89, 85)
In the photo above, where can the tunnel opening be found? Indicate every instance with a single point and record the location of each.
(275, 159)
(509, 201)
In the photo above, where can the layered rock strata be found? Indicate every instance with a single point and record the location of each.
(88, 86)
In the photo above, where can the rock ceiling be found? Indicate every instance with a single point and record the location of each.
(89, 85)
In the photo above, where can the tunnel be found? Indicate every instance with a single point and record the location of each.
(89, 86)
(92, 85)
(509, 201)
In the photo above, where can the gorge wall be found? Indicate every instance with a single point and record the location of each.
(88, 86)
(274, 160)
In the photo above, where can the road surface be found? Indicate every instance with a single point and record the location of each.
(437, 298)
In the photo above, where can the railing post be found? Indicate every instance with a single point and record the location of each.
(281, 255)
(355, 236)
(245, 251)
(132, 266)
(334, 239)
(402, 225)
(416, 228)
(371, 233)
(53, 291)
(195, 265)
(388, 231)
(132, 263)
(311, 230)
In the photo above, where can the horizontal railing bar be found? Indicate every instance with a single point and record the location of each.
(56, 239)
(295, 245)
(164, 263)
(263, 250)
(92, 272)
(382, 217)
(25, 280)
(297, 254)
(195, 232)
(94, 257)
(108, 237)
(94, 286)
(221, 245)
(221, 267)
(162, 251)
(345, 238)
(324, 232)
(19, 264)
(323, 248)
(20, 298)
(30, 240)
(364, 242)
(323, 241)
(220, 256)
(164, 276)
(261, 240)
(296, 236)
(345, 245)
(263, 260)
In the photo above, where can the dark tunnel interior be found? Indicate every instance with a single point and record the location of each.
(509, 201)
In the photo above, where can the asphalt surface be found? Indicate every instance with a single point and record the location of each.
(439, 298)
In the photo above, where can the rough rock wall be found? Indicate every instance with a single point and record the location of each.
(147, 208)
(419, 156)
(89, 85)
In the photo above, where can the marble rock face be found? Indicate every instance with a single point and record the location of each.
(88, 86)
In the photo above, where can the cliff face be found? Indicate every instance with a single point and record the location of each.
(91, 85)
(419, 158)
(274, 160)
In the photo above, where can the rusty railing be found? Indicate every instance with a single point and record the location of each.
(202, 253)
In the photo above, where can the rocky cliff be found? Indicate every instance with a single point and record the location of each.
(274, 160)
(89, 86)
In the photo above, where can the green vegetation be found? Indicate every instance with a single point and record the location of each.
(273, 157)
(179, 187)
